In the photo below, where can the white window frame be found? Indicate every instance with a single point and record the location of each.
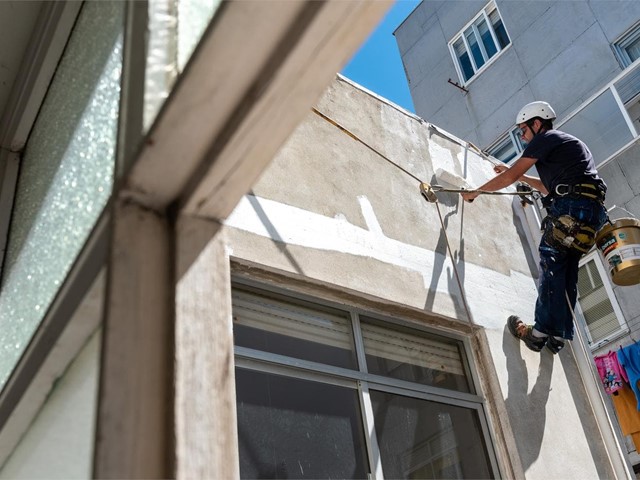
(512, 136)
(623, 329)
(620, 46)
(484, 13)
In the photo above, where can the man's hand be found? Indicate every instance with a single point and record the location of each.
(499, 168)
(470, 196)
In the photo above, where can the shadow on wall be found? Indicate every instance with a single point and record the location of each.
(527, 411)
(587, 422)
(273, 233)
(449, 200)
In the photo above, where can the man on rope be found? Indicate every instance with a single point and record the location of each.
(574, 200)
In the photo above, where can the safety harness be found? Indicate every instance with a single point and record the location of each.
(566, 232)
(588, 190)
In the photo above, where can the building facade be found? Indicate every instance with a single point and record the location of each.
(223, 269)
(472, 65)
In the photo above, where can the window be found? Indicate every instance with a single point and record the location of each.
(602, 125)
(508, 147)
(600, 311)
(325, 392)
(478, 42)
(627, 49)
(65, 177)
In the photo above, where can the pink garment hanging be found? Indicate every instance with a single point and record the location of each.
(611, 372)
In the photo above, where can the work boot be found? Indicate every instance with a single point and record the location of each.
(524, 332)
(554, 345)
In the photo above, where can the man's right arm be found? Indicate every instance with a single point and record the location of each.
(533, 182)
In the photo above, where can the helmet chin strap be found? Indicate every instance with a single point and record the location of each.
(530, 125)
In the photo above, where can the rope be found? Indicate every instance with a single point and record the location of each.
(352, 135)
(444, 230)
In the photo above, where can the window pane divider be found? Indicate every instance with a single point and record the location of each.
(262, 359)
(622, 108)
(359, 342)
(469, 53)
(492, 31)
(480, 43)
(368, 420)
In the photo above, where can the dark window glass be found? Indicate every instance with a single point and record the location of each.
(498, 28)
(463, 59)
(487, 39)
(423, 439)
(475, 48)
(292, 428)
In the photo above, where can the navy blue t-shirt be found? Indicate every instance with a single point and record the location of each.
(562, 159)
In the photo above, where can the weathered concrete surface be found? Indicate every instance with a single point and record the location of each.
(331, 211)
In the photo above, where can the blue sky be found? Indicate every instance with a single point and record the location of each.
(377, 65)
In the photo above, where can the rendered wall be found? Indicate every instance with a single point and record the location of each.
(59, 442)
(560, 52)
(330, 211)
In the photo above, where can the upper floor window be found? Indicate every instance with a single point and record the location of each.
(508, 147)
(627, 49)
(479, 41)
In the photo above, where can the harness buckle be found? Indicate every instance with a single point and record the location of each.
(563, 189)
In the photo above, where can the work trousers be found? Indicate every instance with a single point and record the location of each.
(559, 268)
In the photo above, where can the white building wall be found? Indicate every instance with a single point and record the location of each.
(559, 52)
(330, 211)
(59, 442)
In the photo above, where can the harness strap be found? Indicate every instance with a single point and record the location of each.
(588, 190)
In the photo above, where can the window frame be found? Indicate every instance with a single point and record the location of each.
(620, 46)
(362, 381)
(484, 14)
(513, 137)
(623, 328)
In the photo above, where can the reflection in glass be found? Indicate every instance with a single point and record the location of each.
(291, 428)
(424, 439)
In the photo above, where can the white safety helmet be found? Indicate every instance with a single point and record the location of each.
(535, 109)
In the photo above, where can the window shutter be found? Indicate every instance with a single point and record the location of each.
(596, 306)
(412, 349)
(292, 320)
(628, 87)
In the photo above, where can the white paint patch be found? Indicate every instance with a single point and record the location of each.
(442, 156)
(492, 296)
(370, 216)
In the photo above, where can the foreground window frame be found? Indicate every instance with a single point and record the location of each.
(479, 43)
(364, 384)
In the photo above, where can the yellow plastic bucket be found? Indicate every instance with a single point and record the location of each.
(619, 244)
